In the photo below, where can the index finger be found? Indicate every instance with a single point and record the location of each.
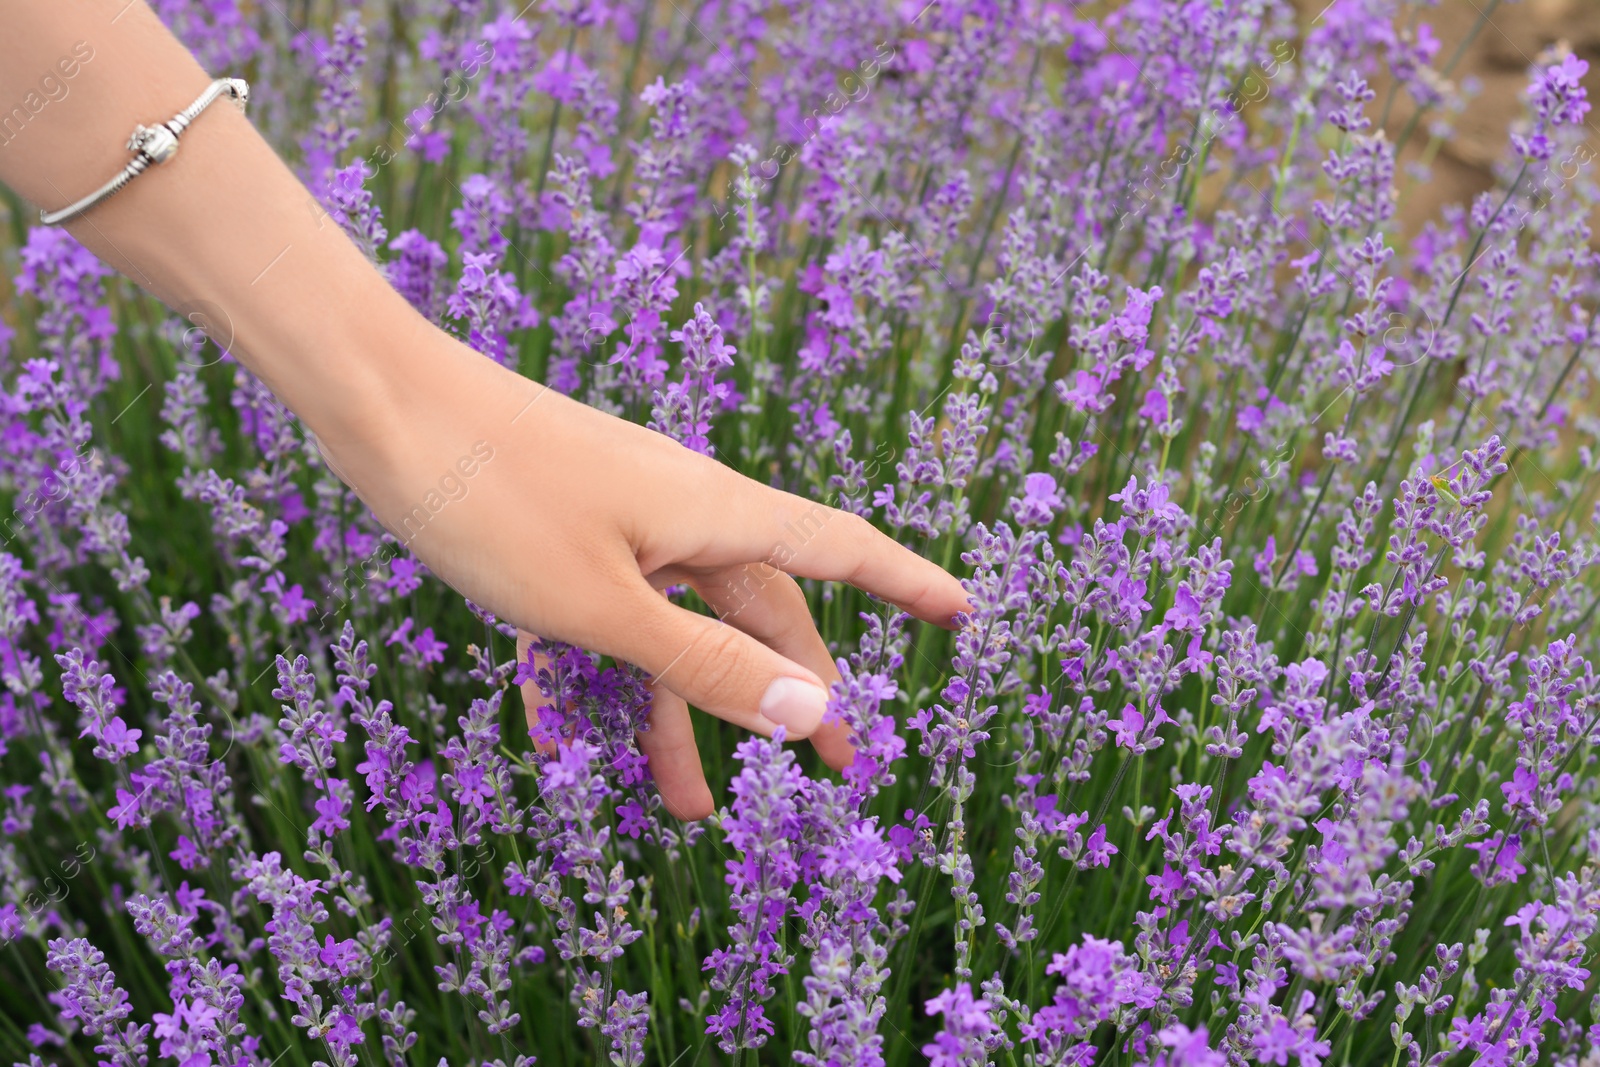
(812, 540)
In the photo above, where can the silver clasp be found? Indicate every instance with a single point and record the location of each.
(157, 142)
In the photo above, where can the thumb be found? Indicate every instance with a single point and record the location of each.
(717, 668)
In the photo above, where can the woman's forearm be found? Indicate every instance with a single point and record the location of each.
(224, 232)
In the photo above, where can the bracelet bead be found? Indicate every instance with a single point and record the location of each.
(157, 142)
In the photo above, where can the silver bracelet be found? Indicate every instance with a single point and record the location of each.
(153, 144)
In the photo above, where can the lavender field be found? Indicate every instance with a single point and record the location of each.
(1270, 737)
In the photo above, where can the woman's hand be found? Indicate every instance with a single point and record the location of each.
(567, 523)
(560, 520)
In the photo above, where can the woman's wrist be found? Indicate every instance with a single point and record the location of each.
(223, 233)
(432, 401)
(231, 240)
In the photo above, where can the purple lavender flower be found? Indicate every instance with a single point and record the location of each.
(338, 63)
(965, 1032)
(91, 997)
(762, 827)
(417, 271)
(1556, 97)
(349, 203)
(683, 410)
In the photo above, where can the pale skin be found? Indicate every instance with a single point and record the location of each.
(580, 519)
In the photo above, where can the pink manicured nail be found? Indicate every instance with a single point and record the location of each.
(795, 705)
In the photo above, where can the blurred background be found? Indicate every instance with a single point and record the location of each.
(1497, 41)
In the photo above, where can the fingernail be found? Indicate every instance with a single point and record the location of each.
(794, 704)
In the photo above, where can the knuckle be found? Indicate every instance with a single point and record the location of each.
(860, 538)
(719, 663)
(863, 535)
